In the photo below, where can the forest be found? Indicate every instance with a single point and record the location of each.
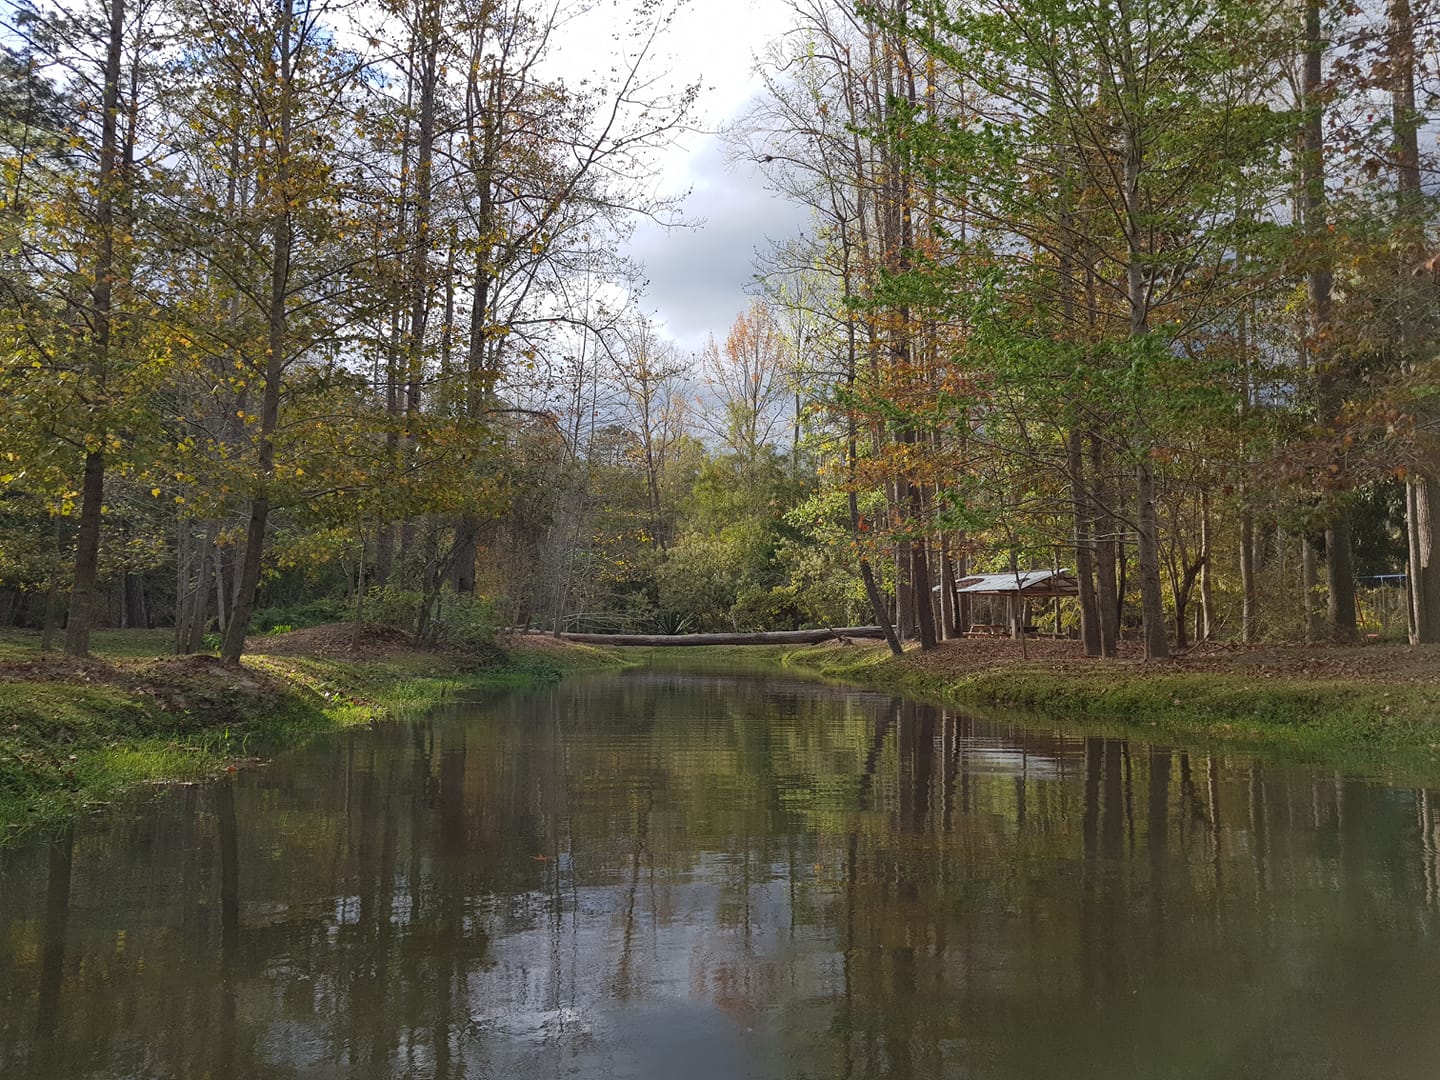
(321, 312)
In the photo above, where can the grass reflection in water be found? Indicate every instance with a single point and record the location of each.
(657, 874)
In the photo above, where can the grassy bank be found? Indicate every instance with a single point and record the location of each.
(75, 734)
(1371, 700)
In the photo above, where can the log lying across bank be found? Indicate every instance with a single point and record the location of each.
(776, 637)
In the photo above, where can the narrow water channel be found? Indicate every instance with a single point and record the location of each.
(686, 875)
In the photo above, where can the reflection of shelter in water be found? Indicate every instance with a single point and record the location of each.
(1002, 759)
(1017, 589)
(657, 874)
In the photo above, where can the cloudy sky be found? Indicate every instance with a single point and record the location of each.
(698, 276)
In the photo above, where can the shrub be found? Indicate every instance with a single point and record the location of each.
(463, 621)
(298, 616)
(458, 621)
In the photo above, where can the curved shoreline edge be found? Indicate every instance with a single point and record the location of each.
(1384, 725)
(79, 736)
(84, 735)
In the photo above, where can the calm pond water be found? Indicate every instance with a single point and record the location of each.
(689, 875)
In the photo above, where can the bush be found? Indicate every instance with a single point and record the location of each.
(463, 621)
(457, 621)
(298, 616)
(394, 607)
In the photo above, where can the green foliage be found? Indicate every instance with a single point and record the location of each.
(457, 621)
(396, 607)
(270, 620)
(701, 577)
(464, 622)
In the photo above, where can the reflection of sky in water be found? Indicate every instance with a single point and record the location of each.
(661, 874)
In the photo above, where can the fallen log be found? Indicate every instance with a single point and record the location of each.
(774, 637)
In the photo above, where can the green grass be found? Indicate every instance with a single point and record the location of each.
(74, 734)
(1368, 726)
(110, 644)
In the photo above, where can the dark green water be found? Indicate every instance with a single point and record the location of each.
(657, 875)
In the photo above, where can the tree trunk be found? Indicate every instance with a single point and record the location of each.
(904, 593)
(924, 599)
(136, 615)
(964, 603)
(92, 488)
(1152, 602)
(207, 579)
(1207, 555)
(218, 562)
(1249, 598)
(190, 580)
(1339, 569)
(948, 629)
(1107, 598)
(248, 574)
(419, 277)
(1340, 578)
(1084, 550)
(1314, 622)
(1423, 577)
(87, 557)
(1423, 504)
(53, 608)
(1157, 642)
(384, 554)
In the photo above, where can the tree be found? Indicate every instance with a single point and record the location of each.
(651, 374)
(70, 286)
(273, 224)
(745, 384)
(546, 169)
(1159, 115)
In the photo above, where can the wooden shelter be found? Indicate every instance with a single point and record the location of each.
(1018, 587)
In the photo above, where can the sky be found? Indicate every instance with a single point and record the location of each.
(698, 276)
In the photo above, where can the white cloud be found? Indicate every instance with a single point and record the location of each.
(699, 275)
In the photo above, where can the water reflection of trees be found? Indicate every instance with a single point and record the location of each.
(873, 887)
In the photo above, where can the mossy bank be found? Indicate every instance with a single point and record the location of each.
(1366, 704)
(77, 733)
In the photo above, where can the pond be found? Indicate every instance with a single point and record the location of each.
(660, 874)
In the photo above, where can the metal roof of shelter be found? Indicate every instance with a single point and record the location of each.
(1022, 583)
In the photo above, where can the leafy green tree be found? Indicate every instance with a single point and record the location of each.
(1112, 167)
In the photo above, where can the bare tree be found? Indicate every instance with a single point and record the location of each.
(745, 381)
